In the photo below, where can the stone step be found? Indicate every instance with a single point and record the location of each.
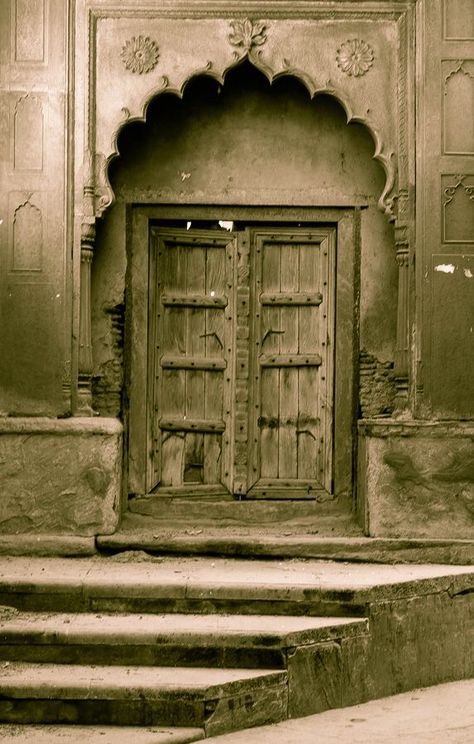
(137, 583)
(127, 583)
(246, 533)
(230, 641)
(216, 700)
(64, 734)
(333, 516)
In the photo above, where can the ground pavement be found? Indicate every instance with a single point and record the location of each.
(443, 714)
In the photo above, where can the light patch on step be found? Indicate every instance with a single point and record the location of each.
(445, 268)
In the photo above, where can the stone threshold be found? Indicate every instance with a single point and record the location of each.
(198, 541)
(263, 543)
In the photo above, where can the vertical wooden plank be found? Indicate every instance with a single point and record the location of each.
(309, 281)
(195, 330)
(212, 467)
(172, 458)
(309, 429)
(287, 458)
(308, 436)
(269, 378)
(171, 339)
(214, 347)
(214, 330)
(194, 458)
(173, 393)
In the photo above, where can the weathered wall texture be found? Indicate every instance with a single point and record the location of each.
(446, 206)
(418, 479)
(244, 143)
(59, 477)
(35, 335)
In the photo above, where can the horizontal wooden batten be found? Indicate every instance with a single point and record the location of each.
(203, 425)
(214, 493)
(281, 493)
(182, 362)
(293, 298)
(194, 300)
(291, 360)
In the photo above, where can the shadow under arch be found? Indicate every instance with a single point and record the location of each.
(248, 65)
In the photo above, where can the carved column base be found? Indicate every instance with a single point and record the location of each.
(402, 398)
(84, 397)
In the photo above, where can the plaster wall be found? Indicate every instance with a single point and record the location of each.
(244, 143)
(35, 218)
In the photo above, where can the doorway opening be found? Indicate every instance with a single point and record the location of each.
(240, 386)
(223, 182)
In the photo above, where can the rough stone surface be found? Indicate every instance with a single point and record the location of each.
(217, 699)
(301, 537)
(24, 734)
(420, 632)
(60, 477)
(376, 386)
(420, 641)
(67, 545)
(436, 715)
(419, 479)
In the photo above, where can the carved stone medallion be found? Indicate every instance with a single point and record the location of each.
(247, 34)
(140, 54)
(355, 57)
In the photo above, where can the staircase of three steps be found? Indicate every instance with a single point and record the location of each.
(174, 676)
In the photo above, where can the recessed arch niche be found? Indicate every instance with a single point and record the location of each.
(243, 141)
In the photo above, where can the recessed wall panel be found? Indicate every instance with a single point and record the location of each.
(458, 208)
(29, 30)
(458, 19)
(458, 106)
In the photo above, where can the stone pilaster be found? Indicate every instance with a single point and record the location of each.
(402, 353)
(84, 390)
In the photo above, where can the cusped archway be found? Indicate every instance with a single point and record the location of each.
(242, 141)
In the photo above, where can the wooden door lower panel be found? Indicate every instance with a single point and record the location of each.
(191, 379)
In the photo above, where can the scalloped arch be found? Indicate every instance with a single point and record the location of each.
(385, 158)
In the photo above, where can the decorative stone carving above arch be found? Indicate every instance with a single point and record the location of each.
(362, 57)
(166, 49)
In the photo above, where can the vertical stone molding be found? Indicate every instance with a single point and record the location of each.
(402, 352)
(84, 387)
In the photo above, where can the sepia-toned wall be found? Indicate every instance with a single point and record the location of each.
(445, 203)
(35, 211)
(68, 100)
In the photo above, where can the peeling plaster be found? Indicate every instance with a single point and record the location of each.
(468, 273)
(445, 268)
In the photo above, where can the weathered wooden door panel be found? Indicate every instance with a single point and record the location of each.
(292, 363)
(191, 338)
(285, 320)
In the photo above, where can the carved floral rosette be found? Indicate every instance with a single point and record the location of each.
(140, 54)
(355, 57)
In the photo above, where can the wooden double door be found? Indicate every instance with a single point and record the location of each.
(241, 326)
(241, 361)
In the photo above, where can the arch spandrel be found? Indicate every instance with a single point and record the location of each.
(138, 58)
